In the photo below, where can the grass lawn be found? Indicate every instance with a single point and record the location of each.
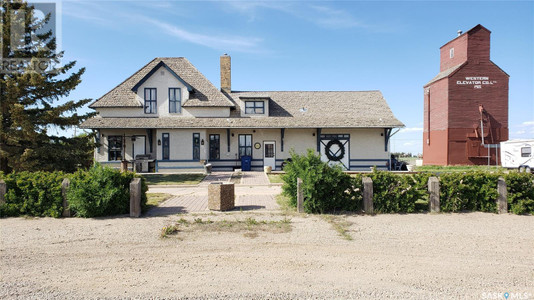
(154, 199)
(275, 178)
(449, 169)
(167, 179)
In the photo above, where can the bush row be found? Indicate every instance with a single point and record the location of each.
(98, 191)
(328, 189)
(320, 182)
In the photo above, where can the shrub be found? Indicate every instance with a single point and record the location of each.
(398, 193)
(325, 188)
(520, 192)
(101, 191)
(473, 191)
(33, 194)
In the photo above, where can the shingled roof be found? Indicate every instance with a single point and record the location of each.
(445, 73)
(204, 93)
(299, 109)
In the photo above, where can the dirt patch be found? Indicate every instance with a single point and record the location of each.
(390, 256)
(248, 226)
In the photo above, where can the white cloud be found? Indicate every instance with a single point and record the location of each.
(412, 129)
(320, 15)
(87, 11)
(334, 18)
(235, 43)
(251, 8)
(527, 123)
(109, 16)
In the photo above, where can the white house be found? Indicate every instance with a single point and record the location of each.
(171, 112)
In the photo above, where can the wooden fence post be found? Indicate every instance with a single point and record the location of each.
(3, 190)
(300, 196)
(135, 198)
(433, 188)
(64, 187)
(502, 200)
(368, 195)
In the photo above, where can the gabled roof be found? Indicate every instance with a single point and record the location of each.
(203, 92)
(299, 109)
(467, 32)
(154, 69)
(450, 71)
(446, 73)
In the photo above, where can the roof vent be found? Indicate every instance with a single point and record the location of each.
(459, 32)
(303, 110)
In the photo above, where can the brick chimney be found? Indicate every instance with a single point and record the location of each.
(226, 73)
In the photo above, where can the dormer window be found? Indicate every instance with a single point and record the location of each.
(150, 101)
(175, 100)
(254, 107)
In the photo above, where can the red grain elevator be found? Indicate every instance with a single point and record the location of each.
(466, 104)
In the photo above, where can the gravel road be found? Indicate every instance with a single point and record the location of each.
(420, 256)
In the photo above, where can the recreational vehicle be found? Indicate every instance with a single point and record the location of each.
(517, 154)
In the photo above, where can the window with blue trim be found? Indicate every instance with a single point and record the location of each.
(165, 152)
(175, 100)
(254, 107)
(150, 101)
(114, 147)
(196, 146)
(245, 145)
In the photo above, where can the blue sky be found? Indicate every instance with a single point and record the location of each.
(304, 45)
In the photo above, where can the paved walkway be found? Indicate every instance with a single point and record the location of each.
(253, 193)
(254, 178)
(199, 203)
(216, 176)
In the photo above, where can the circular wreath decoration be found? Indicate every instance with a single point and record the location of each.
(335, 157)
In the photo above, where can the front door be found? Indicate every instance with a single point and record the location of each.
(139, 146)
(269, 154)
(215, 147)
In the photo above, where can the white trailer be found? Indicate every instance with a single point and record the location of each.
(517, 154)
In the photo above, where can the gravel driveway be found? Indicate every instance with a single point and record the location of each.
(421, 256)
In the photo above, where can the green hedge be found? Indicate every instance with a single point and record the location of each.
(95, 192)
(471, 191)
(33, 194)
(394, 193)
(520, 193)
(320, 182)
(101, 191)
(328, 189)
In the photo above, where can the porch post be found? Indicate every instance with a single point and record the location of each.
(228, 138)
(282, 132)
(318, 139)
(387, 135)
(150, 139)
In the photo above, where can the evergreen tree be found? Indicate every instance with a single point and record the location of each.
(28, 93)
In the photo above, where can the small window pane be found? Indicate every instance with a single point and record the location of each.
(269, 150)
(526, 151)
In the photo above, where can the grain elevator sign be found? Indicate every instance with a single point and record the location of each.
(476, 82)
